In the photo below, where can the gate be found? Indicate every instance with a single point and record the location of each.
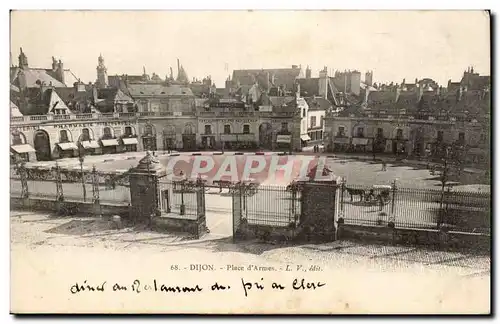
(200, 208)
(237, 209)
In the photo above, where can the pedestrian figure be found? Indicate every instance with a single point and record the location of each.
(380, 202)
(384, 166)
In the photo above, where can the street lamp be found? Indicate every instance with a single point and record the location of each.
(81, 159)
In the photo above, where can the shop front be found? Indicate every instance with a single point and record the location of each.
(341, 144)
(399, 147)
(304, 140)
(109, 146)
(21, 151)
(284, 141)
(91, 147)
(67, 150)
(130, 144)
(360, 144)
(169, 142)
(208, 142)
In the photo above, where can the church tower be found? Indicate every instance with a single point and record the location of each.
(102, 73)
(23, 60)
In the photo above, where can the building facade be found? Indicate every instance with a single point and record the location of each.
(418, 121)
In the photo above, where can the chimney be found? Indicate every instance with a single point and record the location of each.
(178, 67)
(54, 64)
(60, 71)
(323, 83)
(308, 72)
(79, 86)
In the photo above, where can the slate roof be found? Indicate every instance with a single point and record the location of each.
(47, 76)
(318, 103)
(137, 90)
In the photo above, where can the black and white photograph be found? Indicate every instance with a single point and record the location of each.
(250, 162)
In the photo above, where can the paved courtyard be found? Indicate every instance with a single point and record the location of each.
(52, 253)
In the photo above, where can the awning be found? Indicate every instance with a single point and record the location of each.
(305, 137)
(341, 140)
(284, 139)
(359, 141)
(129, 141)
(67, 146)
(110, 142)
(90, 144)
(23, 148)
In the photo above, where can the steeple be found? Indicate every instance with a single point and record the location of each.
(102, 73)
(181, 75)
(23, 60)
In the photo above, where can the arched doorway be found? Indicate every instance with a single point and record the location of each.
(265, 135)
(189, 138)
(42, 146)
(418, 141)
(149, 138)
(169, 138)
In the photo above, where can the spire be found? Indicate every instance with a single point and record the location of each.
(144, 70)
(23, 59)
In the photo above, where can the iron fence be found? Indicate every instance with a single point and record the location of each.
(464, 211)
(62, 184)
(272, 206)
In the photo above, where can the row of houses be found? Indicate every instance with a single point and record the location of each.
(257, 109)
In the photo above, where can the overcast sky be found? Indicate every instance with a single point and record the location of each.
(394, 44)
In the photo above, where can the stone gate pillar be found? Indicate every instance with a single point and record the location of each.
(145, 189)
(318, 216)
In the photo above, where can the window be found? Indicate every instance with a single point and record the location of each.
(461, 137)
(440, 136)
(107, 133)
(227, 129)
(341, 132)
(145, 106)
(85, 135)
(321, 121)
(63, 136)
(208, 129)
(380, 132)
(360, 132)
(303, 113)
(128, 131)
(313, 121)
(399, 133)
(284, 127)
(246, 129)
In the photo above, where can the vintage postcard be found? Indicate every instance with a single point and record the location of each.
(250, 162)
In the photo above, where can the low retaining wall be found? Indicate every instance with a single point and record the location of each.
(425, 237)
(191, 225)
(80, 208)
